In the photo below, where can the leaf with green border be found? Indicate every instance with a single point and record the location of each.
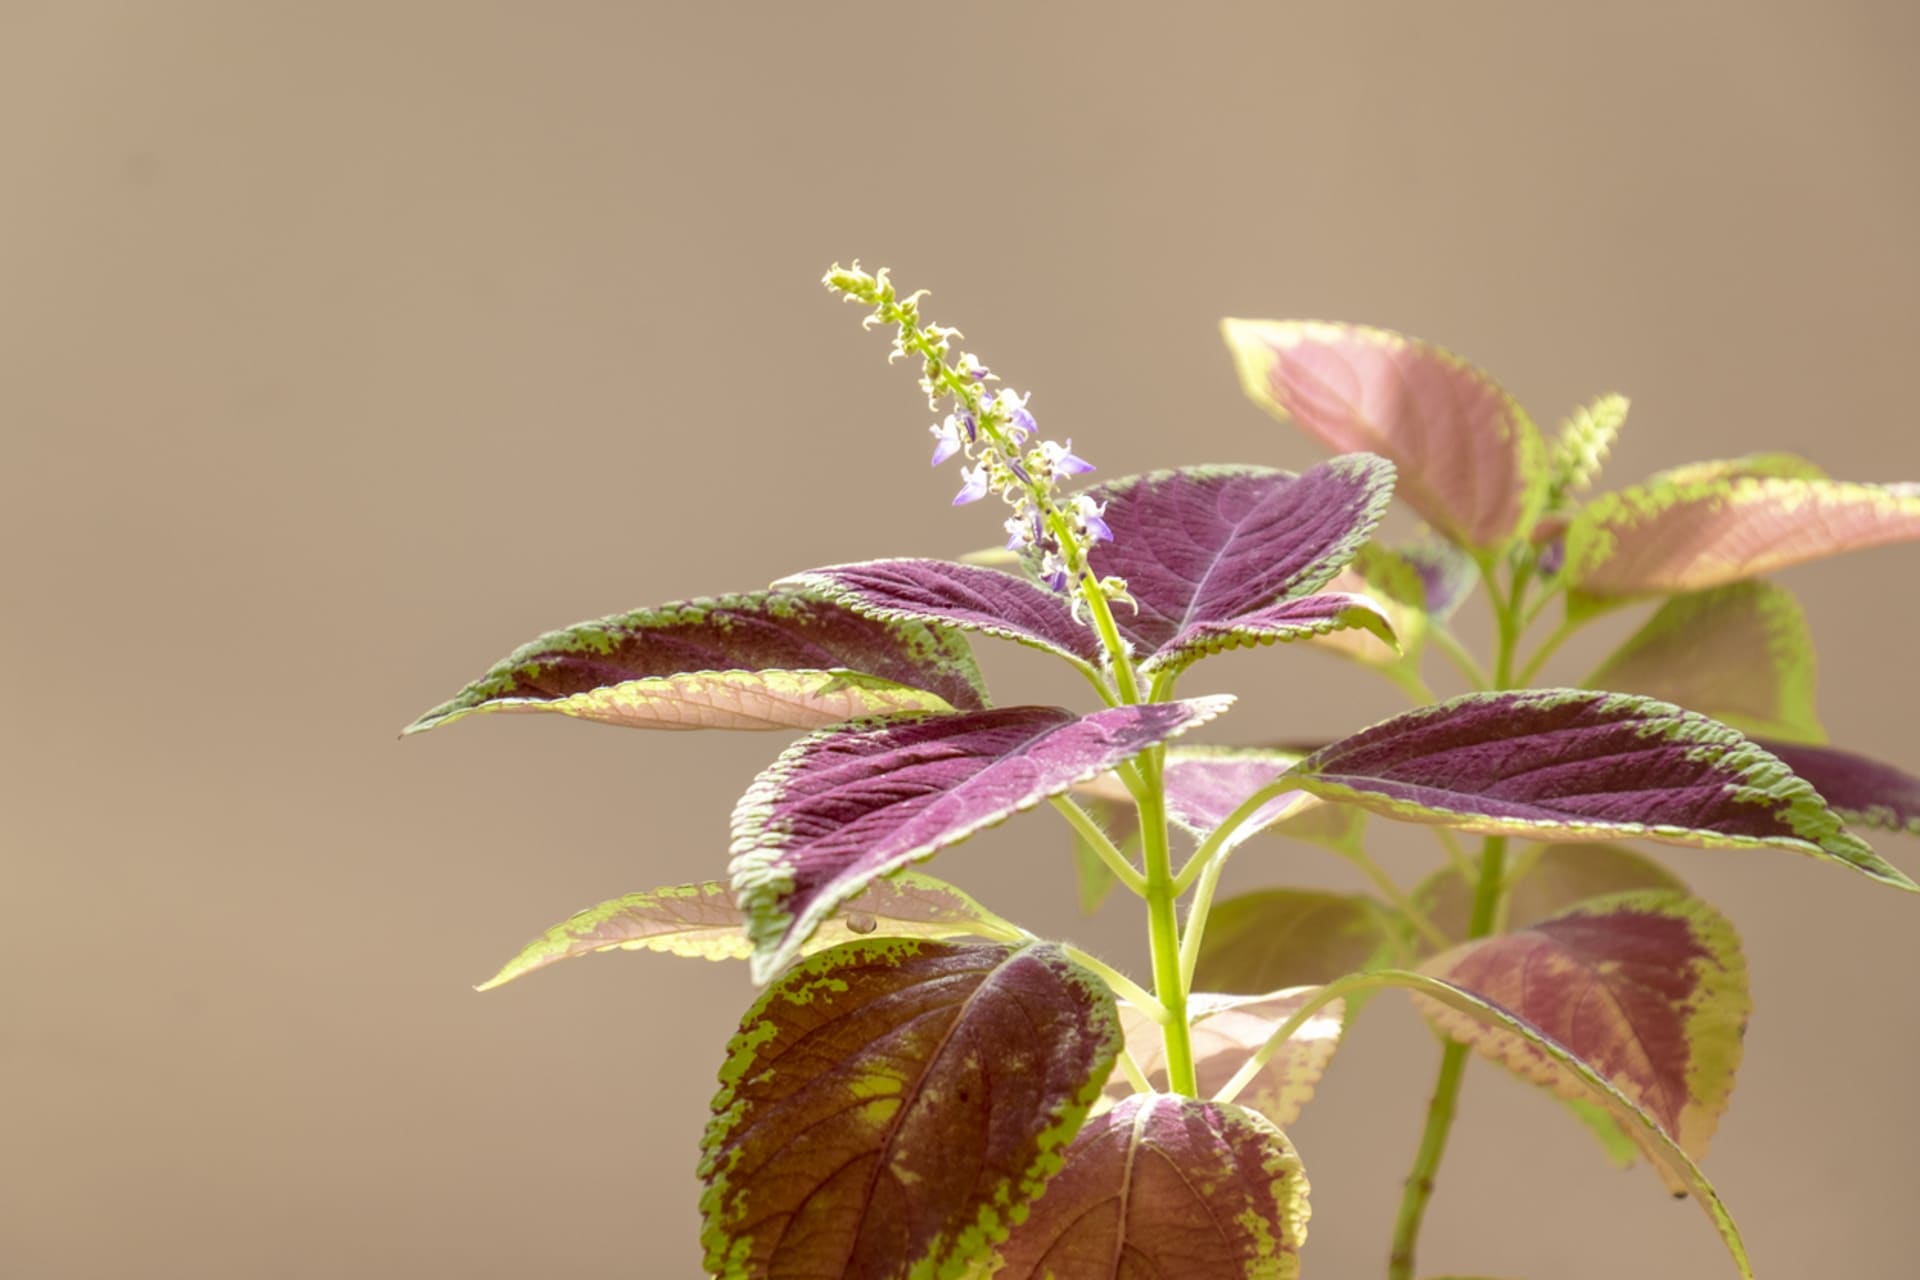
(1543, 880)
(759, 660)
(1788, 466)
(1662, 539)
(1470, 460)
(1572, 765)
(1165, 1186)
(848, 804)
(1225, 1029)
(891, 1108)
(700, 921)
(1580, 449)
(1673, 1163)
(1271, 939)
(1741, 653)
(1648, 988)
(1867, 793)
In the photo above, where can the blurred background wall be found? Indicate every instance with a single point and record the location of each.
(343, 347)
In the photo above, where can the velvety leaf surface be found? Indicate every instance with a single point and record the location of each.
(701, 921)
(1226, 1030)
(1573, 765)
(1470, 460)
(1741, 653)
(1277, 938)
(854, 802)
(1167, 1187)
(1544, 880)
(1580, 449)
(762, 660)
(1674, 537)
(1865, 792)
(1202, 548)
(1302, 619)
(1648, 988)
(888, 1107)
(1675, 1167)
(958, 595)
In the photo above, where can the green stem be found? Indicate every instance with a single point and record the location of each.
(1469, 665)
(1546, 650)
(1197, 912)
(1408, 681)
(1224, 832)
(1163, 930)
(1102, 844)
(1123, 986)
(1401, 902)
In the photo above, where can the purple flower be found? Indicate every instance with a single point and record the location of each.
(975, 487)
(1061, 458)
(1020, 423)
(1089, 514)
(946, 440)
(971, 366)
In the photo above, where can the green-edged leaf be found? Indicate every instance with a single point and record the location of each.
(1470, 460)
(1226, 1029)
(1544, 880)
(848, 804)
(1167, 1187)
(1648, 988)
(1676, 1168)
(701, 921)
(890, 1108)
(1666, 538)
(1575, 765)
(1278, 938)
(1741, 653)
(1581, 448)
(1867, 793)
(760, 660)
(1788, 466)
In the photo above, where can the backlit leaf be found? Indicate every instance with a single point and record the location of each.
(890, 1108)
(1164, 1186)
(1865, 792)
(1790, 466)
(1741, 653)
(1205, 784)
(850, 803)
(1575, 765)
(1648, 988)
(1672, 537)
(762, 660)
(1470, 460)
(1543, 880)
(701, 921)
(1225, 1030)
(1275, 938)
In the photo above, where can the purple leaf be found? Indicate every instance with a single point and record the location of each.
(1572, 765)
(889, 1108)
(1206, 784)
(1471, 461)
(1296, 619)
(957, 595)
(1229, 1029)
(853, 802)
(761, 660)
(1544, 880)
(1207, 546)
(1169, 1187)
(1865, 792)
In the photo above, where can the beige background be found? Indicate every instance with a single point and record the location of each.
(344, 346)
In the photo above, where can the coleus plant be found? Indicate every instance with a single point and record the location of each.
(925, 1089)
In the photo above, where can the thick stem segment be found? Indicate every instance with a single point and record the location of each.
(1163, 931)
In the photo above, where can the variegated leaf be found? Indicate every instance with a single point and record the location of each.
(1225, 1030)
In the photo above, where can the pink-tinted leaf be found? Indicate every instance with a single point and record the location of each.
(1470, 459)
(1790, 466)
(1574, 765)
(1312, 616)
(1206, 548)
(1676, 1168)
(762, 660)
(957, 595)
(701, 921)
(851, 803)
(1672, 537)
(1865, 792)
(1544, 880)
(1648, 988)
(1204, 785)
(1741, 653)
(1225, 1031)
(1280, 938)
(1164, 1186)
(890, 1108)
